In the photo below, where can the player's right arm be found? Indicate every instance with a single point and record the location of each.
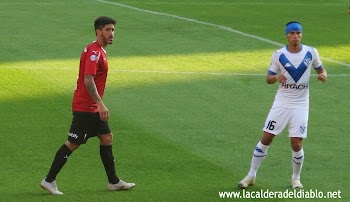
(272, 75)
(91, 88)
(271, 79)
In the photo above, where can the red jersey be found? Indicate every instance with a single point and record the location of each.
(93, 60)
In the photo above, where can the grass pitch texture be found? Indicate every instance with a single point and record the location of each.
(186, 92)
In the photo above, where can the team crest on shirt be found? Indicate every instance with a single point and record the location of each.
(307, 61)
(93, 58)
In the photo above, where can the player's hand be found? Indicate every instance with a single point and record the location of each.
(103, 111)
(281, 78)
(322, 76)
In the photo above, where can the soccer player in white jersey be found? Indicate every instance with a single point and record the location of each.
(291, 67)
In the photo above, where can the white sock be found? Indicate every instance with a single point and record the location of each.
(297, 163)
(259, 155)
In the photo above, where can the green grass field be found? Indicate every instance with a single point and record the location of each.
(186, 92)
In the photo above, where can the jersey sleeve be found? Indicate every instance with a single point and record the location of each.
(273, 69)
(316, 63)
(91, 63)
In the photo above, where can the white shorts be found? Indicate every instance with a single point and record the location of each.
(295, 119)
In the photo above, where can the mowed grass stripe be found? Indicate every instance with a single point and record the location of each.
(192, 134)
(214, 25)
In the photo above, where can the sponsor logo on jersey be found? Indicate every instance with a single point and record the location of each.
(295, 86)
(73, 135)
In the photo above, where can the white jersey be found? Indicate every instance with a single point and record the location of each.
(296, 68)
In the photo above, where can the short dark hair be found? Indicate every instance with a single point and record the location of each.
(101, 21)
(293, 22)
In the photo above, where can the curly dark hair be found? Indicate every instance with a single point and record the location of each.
(101, 21)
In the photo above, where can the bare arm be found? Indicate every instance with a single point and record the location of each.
(91, 88)
(321, 74)
(271, 79)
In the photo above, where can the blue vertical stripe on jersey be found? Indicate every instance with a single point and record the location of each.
(296, 73)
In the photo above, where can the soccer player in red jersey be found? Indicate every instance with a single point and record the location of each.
(90, 115)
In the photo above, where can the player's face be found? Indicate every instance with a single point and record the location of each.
(294, 38)
(107, 34)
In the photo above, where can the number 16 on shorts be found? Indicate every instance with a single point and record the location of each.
(270, 125)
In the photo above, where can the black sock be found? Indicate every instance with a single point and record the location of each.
(108, 162)
(60, 159)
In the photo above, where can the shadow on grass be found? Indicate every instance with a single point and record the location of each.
(177, 141)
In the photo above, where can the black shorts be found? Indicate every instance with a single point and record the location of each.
(86, 125)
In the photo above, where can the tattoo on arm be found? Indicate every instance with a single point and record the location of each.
(91, 88)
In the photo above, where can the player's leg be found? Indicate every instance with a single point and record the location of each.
(77, 135)
(297, 161)
(107, 157)
(106, 154)
(61, 157)
(274, 124)
(298, 131)
(259, 155)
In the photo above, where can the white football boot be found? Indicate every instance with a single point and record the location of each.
(121, 185)
(246, 182)
(51, 187)
(296, 184)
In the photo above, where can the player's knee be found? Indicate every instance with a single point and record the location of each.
(296, 144)
(106, 139)
(296, 147)
(267, 138)
(71, 146)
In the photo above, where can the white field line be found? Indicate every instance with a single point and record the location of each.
(29, 3)
(45, 3)
(213, 25)
(175, 3)
(157, 71)
(228, 3)
(208, 73)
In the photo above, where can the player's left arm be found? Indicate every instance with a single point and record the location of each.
(92, 89)
(321, 74)
(317, 64)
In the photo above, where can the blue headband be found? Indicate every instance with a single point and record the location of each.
(293, 26)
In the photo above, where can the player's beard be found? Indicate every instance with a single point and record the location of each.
(108, 39)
